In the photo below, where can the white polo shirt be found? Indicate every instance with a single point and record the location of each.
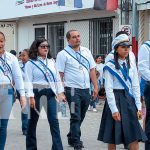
(75, 74)
(34, 75)
(144, 61)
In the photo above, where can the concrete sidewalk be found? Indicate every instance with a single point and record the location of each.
(90, 128)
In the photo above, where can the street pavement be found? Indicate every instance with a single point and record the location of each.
(90, 128)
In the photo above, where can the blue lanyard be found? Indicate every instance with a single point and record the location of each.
(22, 67)
(84, 58)
(39, 69)
(119, 78)
(45, 67)
(125, 75)
(4, 74)
(5, 64)
(77, 59)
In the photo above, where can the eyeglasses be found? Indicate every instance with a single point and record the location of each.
(44, 46)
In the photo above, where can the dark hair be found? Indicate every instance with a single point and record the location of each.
(68, 33)
(33, 51)
(13, 52)
(97, 56)
(121, 32)
(26, 50)
(2, 34)
(117, 66)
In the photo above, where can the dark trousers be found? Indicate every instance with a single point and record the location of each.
(31, 142)
(3, 132)
(78, 100)
(147, 121)
(24, 119)
(93, 103)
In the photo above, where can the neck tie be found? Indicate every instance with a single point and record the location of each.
(124, 67)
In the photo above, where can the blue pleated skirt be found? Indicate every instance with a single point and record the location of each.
(125, 131)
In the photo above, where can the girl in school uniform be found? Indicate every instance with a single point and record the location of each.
(119, 123)
(10, 74)
(43, 79)
(24, 57)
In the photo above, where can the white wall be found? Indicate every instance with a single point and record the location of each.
(25, 34)
(26, 29)
(8, 28)
(83, 28)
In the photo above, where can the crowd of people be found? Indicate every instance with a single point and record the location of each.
(79, 79)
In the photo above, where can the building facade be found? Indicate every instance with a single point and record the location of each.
(33, 19)
(143, 7)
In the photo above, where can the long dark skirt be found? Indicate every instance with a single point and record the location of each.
(125, 131)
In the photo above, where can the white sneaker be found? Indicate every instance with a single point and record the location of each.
(94, 109)
(89, 108)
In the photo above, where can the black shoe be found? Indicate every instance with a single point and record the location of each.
(70, 142)
(125, 146)
(81, 144)
(77, 147)
(24, 132)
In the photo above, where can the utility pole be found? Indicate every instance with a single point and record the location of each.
(135, 26)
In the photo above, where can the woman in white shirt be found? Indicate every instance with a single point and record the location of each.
(10, 74)
(43, 79)
(119, 123)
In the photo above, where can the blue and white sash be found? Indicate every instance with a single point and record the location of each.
(119, 74)
(48, 69)
(146, 43)
(5, 74)
(6, 69)
(22, 66)
(83, 61)
(41, 69)
(6, 64)
(50, 77)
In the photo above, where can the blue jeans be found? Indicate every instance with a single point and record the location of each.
(3, 132)
(78, 101)
(31, 142)
(24, 115)
(6, 102)
(93, 103)
(147, 121)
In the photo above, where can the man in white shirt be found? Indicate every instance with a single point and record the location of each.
(144, 70)
(76, 66)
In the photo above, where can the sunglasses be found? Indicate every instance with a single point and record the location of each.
(44, 46)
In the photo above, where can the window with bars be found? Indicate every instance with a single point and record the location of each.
(56, 37)
(40, 33)
(100, 36)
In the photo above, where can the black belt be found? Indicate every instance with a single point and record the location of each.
(75, 88)
(40, 86)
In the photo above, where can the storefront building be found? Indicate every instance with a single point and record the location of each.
(34, 19)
